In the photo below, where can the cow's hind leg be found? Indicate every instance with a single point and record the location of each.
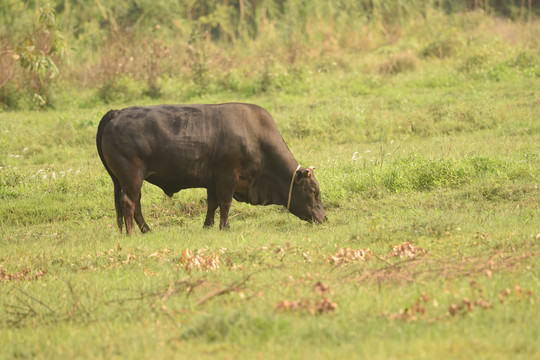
(212, 206)
(131, 183)
(131, 208)
(139, 217)
(128, 209)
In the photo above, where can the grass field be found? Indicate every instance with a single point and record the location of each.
(430, 173)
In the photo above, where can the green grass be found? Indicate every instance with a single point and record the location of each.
(443, 154)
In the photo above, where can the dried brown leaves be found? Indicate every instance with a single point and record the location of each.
(23, 275)
(201, 260)
(347, 255)
(344, 256)
(412, 312)
(160, 254)
(407, 250)
(421, 309)
(416, 268)
(320, 306)
(466, 305)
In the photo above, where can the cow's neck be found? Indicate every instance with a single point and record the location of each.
(274, 183)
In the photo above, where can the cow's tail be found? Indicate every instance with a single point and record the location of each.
(117, 189)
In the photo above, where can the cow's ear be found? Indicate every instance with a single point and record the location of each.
(302, 173)
(298, 174)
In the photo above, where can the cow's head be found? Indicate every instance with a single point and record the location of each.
(306, 196)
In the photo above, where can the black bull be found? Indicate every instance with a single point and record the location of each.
(233, 150)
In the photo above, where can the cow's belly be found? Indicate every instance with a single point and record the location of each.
(174, 172)
(172, 184)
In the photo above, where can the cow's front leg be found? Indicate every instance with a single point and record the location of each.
(224, 214)
(139, 219)
(225, 191)
(212, 206)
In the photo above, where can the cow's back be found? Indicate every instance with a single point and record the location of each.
(182, 146)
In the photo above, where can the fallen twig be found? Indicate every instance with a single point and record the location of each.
(411, 269)
(384, 260)
(226, 290)
(36, 300)
(172, 288)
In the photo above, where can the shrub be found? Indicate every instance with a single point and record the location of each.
(442, 48)
(197, 60)
(526, 59)
(44, 49)
(154, 51)
(8, 93)
(9, 96)
(398, 63)
(118, 89)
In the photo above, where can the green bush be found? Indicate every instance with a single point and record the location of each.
(121, 89)
(9, 97)
(443, 48)
(420, 174)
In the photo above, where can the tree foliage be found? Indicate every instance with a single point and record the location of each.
(34, 55)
